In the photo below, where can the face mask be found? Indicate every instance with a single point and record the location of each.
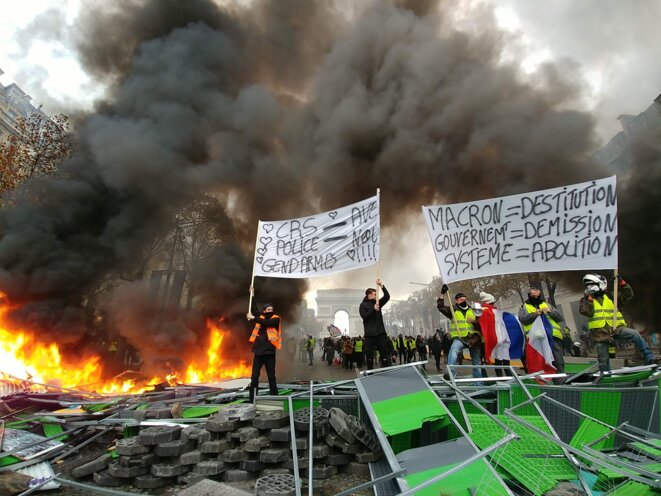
(463, 305)
(536, 300)
(268, 315)
(592, 288)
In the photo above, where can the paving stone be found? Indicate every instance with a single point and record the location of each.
(356, 468)
(368, 456)
(217, 423)
(272, 455)
(320, 451)
(302, 463)
(133, 414)
(138, 460)
(302, 418)
(173, 448)
(275, 471)
(115, 470)
(251, 465)
(190, 458)
(208, 487)
(336, 441)
(130, 446)
(192, 433)
(210, 467)
(352, 449)
(322, 471)
(244, 411)
(363, 433)
(276, 485)
(244, 434)
(104, 479)
(282, 434)
(256, 445)
(216, 446)
(149, 481)
(168, 469)
(237, 475)
(96, 465)
(302, 442)
(233, 456)
(338, 459)
(271, 419)
(159, 413)
(159, 434)
(338, 421)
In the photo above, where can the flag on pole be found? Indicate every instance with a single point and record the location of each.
(334, 331)
(346, 238)
(539, 348)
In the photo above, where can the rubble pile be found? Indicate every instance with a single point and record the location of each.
(237, 444)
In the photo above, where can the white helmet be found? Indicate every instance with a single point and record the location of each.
(595, 280)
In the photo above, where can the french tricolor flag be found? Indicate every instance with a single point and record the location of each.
(539, 348)
(503, 334)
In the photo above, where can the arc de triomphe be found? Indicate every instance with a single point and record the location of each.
(331, 301)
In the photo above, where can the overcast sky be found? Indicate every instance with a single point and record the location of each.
(610, 48)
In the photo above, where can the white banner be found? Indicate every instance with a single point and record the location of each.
(568, 228)
(343, 239)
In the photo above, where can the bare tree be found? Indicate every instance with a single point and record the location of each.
(201, 225)
(38, 146)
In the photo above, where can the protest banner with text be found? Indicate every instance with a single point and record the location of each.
(343, 239)
(568, 228)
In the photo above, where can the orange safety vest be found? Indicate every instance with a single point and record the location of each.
(274, 335)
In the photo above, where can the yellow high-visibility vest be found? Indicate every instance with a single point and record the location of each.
(557, 330)
(462, 327)
(603, 315)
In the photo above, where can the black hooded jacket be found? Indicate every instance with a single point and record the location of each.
(373, 320)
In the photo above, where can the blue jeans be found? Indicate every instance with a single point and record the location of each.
(623, 334)
(458, 347)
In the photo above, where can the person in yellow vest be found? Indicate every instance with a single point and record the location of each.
(460, 330)
(534, 306)
(393, 340)
(597, 305)
(266, 339)
(410, 349)
(310, 346)
(358, 352)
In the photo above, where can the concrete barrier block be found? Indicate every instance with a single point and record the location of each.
(159, 434)
(96, 465)
(104, 479)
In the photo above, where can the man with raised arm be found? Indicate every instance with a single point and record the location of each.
(376, 338)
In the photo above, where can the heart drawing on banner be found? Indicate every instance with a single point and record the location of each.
(265, 240)
(261, 251)
(259, 259)
(332, 214)
(351, 254)
(268, 228)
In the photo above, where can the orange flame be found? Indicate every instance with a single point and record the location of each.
(23, 357)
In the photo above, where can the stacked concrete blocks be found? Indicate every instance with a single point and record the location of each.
(238, 444)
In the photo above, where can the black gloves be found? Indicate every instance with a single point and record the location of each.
(444, 289)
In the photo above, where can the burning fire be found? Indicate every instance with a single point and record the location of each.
(24, 358)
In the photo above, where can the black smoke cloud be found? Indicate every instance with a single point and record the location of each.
(279, 108)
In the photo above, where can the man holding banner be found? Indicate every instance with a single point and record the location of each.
(597, 305)
(461, 331)
(376, 338)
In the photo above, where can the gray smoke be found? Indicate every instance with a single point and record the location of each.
(279, 109)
